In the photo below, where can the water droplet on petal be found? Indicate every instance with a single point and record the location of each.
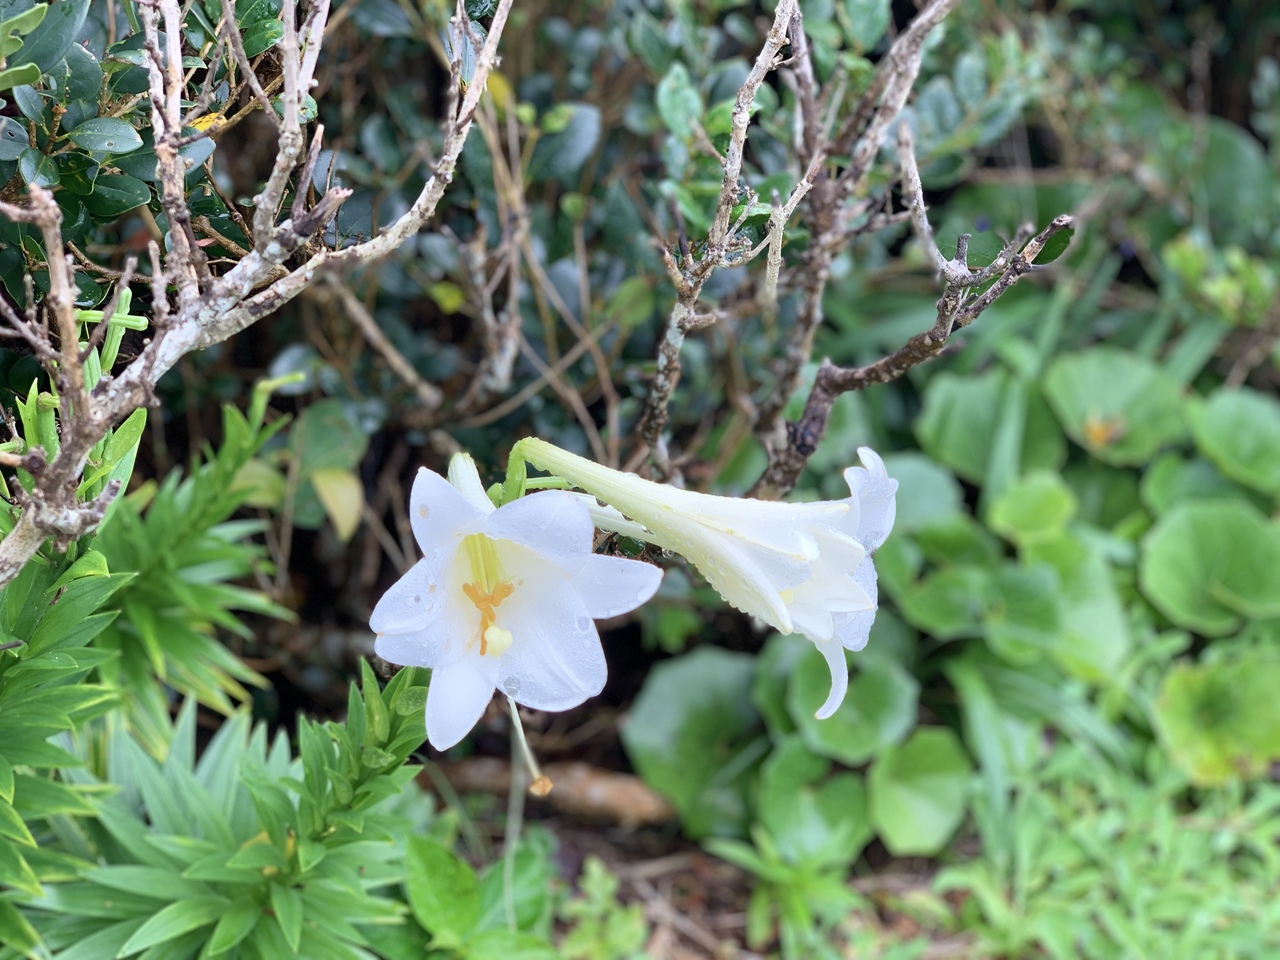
(423, 512)
(511, 686)
(417, 598)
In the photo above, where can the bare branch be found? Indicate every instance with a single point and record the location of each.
(956, 309)
(720, 238)
(428, 394)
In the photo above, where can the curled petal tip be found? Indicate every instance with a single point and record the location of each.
(873, 462)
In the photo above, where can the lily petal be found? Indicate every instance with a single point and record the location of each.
(437, 511)
(555, 661)
(456, 699)
(610, 586)
(876, 494)
(553, 523)
(412, 603)
(834, 654)
(465, 478)
(854, 629)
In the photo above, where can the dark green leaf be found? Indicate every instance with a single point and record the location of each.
(262, 36)
(37, 169)
(13, 139)
(48, 43)
(114, 194)
(106, 135)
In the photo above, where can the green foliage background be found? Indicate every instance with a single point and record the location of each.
(1067, 703)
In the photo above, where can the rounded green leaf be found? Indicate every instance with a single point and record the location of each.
(961, 417)
(1206, 563)
(927, 493)
(1119, 406)
(693, 734)
(106, 135)
(1239, 430)
(813, 818)
(560, 155)
(918, 792)
(1221, 720)
(49, 42)
(879, 709)
(1172, 479)
(1036, 508)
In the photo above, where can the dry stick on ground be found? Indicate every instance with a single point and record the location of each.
(205, 309)
(958, 307)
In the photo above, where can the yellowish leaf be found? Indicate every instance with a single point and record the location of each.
(342, 495)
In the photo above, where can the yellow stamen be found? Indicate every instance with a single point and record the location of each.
(486, 590)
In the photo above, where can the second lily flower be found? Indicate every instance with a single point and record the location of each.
(797, 566)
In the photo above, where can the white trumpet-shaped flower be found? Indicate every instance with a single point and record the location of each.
(503, 598)
(797, 566)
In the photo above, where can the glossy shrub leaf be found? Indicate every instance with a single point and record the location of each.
(878, 711)
(1119, 406)
(1221, 720)
(106, 135)
(692, 734)
(116, 193)
(48, 43)
(1037, 507)
(917, 792)
(868, 20)
(444, 893)
(1239, 430)
(342, 495)
(1204, 564)
(262, 36)
(13, 139)
(560, 155)
(79, 75)
(24, 75)
(678, 101)
(37, 169)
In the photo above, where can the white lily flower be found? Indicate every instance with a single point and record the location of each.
(503, 598)
(797, 566)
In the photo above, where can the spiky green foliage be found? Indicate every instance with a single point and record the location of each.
(248, 851)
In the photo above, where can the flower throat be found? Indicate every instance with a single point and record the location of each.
(486, 590)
